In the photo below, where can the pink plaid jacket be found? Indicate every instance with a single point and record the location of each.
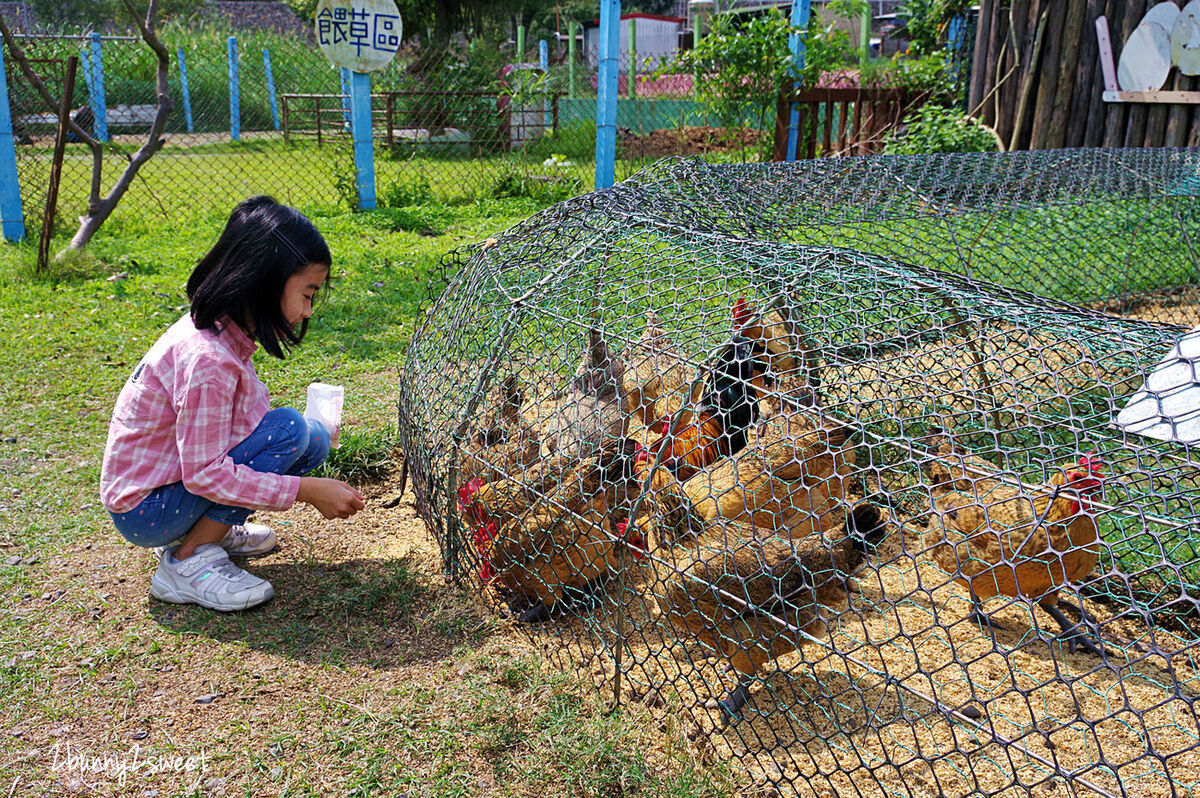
(192, 398)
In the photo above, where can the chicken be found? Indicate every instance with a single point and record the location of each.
(778, 337)
(590, 412)
(727, 409)
(996, 540)
(791, 480)
(503, 442)
(761, 523)
(763, 350)
(539, 543)
(656, 375)
(744, 593)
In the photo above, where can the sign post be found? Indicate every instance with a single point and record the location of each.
(360, 36)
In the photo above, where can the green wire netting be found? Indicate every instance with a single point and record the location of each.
(893, 409)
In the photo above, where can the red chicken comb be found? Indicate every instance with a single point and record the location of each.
(466, 493)
(636, 541)
(741, 313)
(641, 454)
(1091, 463)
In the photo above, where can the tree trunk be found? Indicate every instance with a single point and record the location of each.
(99, 209)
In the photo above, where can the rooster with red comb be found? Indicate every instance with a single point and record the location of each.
(550, 546)
(995, 539)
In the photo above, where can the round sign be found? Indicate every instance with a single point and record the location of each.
(1185, 39)
(360, 35)
(1145, 59)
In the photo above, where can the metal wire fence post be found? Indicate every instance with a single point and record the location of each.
(606, 92)
(361, 130)
(270, 77)
(12, 216)
(186, 94)
(93, 73)
(235, 104)
(799, 19)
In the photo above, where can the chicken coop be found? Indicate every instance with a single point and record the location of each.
(822, 459)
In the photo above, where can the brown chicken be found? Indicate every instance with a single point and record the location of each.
(743, 591)
(503, 441)
(553, 539)
(791, 479)
(779, 338)
(997, 540)
(748, 369)
(655, 376)
(767, 541)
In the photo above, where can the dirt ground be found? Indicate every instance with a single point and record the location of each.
(687, 141)
(875, 707)
(1178, 307)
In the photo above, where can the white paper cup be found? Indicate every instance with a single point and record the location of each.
(325, 405)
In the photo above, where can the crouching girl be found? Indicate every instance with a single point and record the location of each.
(193, 446)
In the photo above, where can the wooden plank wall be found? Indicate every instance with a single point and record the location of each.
(1037, 78)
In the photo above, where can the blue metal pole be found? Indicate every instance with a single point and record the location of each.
(187, 95)
(12, 217)
(799, 19)
(94, 75)
(544, 63)
(345, 73)
(271, 87)
(235, 109)
(956, 37)
(606, 93)
(360, 131)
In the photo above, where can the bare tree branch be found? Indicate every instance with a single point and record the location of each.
(100, 209)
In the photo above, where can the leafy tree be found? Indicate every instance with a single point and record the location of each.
(69, 15)
(742, 63)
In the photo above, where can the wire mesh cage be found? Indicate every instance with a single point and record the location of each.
(747, 445)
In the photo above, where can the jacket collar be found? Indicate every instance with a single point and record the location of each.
(234, 337)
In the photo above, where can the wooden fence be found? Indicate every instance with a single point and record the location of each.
(1037, 79)
(835, 122)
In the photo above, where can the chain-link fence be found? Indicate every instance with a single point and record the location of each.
(741, 439)
(282, 126)
(260, 111)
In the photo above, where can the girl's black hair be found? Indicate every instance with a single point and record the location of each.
(243, 275)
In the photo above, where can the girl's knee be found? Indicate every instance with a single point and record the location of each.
(290, 424)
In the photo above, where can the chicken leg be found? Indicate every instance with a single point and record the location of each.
(1072, 633)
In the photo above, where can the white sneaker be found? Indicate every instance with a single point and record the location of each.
(248, 540)
(208, 578)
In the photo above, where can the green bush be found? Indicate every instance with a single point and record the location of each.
(405, 192)
(927, 73)
(543, 188)
(938, 129)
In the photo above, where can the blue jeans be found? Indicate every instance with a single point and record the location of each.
(284, 442)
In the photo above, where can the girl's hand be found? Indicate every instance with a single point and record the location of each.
(332, 497)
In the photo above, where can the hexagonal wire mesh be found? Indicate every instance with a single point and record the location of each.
(750, 450)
